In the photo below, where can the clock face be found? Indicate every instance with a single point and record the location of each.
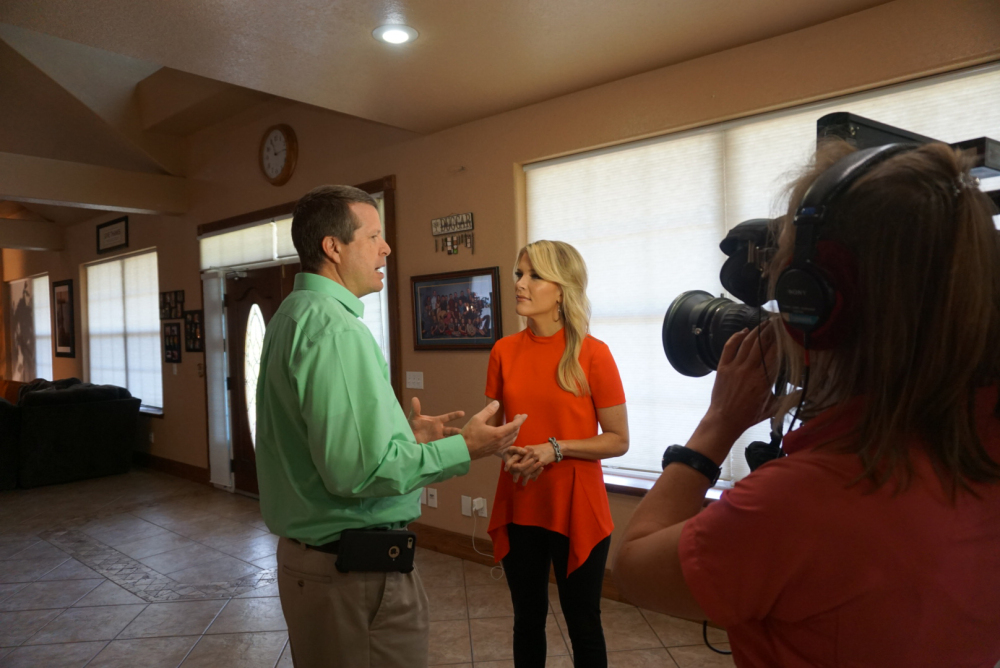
(274, 154)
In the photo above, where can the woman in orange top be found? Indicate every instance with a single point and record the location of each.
(570, 382)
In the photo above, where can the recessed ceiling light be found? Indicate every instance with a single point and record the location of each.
(395, 34)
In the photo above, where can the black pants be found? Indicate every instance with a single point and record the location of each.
(532, 549)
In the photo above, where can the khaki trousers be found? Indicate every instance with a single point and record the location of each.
(350, 620)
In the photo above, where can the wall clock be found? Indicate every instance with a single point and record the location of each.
(279, 150)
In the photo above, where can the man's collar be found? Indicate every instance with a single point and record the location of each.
(305, 280)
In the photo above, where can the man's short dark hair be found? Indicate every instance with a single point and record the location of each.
(325, 212)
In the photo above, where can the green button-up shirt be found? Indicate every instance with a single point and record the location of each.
(334, 449)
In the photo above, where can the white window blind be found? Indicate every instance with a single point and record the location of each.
(648, 218)
(30, 329)
(123, 324)
(271, 241)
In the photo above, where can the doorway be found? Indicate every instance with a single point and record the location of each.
(252, 298)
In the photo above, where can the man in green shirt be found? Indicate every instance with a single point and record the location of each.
(335, 451)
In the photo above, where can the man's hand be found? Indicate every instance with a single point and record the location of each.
(484, 440)
(427, 428)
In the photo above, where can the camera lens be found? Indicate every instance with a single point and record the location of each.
(697, 326)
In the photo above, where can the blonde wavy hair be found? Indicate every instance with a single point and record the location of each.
(560, 263)
(925, 325)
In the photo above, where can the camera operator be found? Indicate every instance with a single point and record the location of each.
(876, 541)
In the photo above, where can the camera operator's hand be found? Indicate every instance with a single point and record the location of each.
(741, 396)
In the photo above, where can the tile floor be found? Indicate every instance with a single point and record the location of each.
(150, 570)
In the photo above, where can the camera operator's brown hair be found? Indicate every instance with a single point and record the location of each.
(925, 325)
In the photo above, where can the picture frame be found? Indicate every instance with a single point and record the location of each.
(63, 311)
(172, 342)
(457, 310)
(172, 305)
(194, 331)
(112, 235)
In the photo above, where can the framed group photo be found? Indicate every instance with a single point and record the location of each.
(172, 305)
(459, 310)
(172, 342)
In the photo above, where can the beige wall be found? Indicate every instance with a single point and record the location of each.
(890, 43)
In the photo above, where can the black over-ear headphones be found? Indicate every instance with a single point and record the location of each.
(813, 290)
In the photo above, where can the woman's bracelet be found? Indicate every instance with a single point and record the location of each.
(556, 448)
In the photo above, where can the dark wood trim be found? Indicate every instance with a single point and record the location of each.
(171, 467)
(257, 216)
(618, 484)
(459, 545)
(378, 185)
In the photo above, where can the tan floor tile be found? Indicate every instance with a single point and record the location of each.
(699, 656)
(440, 573)
(8, 590)
(674, 632)
(286, 657)
(83, 624)
(447, 603)
(550, 662)
(27, 570)
(220, 570)
(47, 595)
(4, 651)
(250, 550)
(107, 593)
(9, 548)
(72, 570)
(183, 618)
(239, 650)
(145, 652)
(125, 532)
(269, 562)
(627, 629)
(477, 575)
(249, 615)
(449, 642)
(493, 638)
(641, 658)
(40, 550)
(153, 545)
(489, 601)
(193, 554)
(68, 655)
(266, 590)
(16, 627)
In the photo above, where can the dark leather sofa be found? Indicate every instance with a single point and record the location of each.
(65, 431)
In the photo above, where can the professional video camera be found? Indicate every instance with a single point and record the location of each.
(697, 324)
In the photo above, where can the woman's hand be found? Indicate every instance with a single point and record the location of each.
(532, 462)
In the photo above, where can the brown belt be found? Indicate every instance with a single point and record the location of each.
(329, 548)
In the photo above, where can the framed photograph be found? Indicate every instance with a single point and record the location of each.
(62, 307)
(194, 331)
(112, 235)
(171, 342)
(459, 310)
(172, 305)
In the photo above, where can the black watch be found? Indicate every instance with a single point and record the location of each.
(694, 459)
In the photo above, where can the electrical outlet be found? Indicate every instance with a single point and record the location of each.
(423, 496)
(479, 505)
(415, 380)
(432, 497)
(467, 506)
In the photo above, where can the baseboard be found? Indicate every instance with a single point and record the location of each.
(171, 467)
(460, 545)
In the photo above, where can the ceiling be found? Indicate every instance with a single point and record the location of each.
(115, 83)
(471, 60)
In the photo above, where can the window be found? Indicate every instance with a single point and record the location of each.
(123, 323)
(30, 329)
(648, 218)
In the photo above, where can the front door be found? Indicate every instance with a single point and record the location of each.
(252, 297)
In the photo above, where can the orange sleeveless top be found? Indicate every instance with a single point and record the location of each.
(569, 497)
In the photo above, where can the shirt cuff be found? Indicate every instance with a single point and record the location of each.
(454, 455)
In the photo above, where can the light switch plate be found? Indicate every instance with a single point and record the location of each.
(415, 380)
(467, 505)
(432, 497)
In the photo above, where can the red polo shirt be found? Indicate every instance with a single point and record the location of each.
(805, 570)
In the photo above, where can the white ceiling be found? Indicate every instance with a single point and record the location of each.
(474, 58)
